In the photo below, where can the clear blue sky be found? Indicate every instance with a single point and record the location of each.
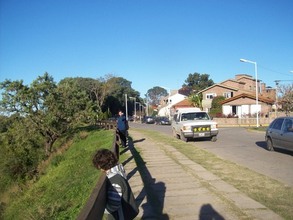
(148, 42)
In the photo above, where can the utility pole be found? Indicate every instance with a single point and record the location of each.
(126, 109)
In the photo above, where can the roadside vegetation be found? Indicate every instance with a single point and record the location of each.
(65, 185)
(38, 122)
(269, 192)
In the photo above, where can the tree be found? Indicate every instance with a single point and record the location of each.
(21, 144)
(216, 107)
(286, 99)
(155, 94)
(196, 100)
(52, 109)
(198, 82)
(115, 100)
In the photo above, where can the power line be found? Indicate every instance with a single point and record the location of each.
(274, 71)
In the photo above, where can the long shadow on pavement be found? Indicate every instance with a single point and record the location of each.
(153, 191)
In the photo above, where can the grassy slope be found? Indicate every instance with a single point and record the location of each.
(64, 189)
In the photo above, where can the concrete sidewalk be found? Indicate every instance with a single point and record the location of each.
(168, 185)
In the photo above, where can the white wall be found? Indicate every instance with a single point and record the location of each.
(172, 100)
(227, 109)
(241, 110)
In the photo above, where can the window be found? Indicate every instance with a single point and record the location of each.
(277, 124)
(288, 125)
(194, 116)
(210, 95)
(228, 94)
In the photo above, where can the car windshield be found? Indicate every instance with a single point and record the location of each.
(195, 116)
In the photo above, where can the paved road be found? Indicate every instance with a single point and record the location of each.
(246, 148)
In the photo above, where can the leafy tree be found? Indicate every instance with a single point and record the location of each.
(117, 88)
(21, 145)
(198, 82)
(106, 93)
(4, 123)
(216, 107)
(286, 99)
(97, 90)
(196, 100)
(52, 109)
(155, 94)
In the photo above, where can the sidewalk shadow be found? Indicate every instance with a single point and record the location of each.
(207, 212)
(153, 191)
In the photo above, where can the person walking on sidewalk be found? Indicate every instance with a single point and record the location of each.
(122, 128)
(120, 203)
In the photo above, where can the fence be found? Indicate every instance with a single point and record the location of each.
(95, 206)
(247, 122)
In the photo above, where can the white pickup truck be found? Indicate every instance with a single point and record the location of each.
(191, 123)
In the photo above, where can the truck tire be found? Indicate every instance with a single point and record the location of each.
(214, 139)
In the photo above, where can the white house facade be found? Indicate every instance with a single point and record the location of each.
(165, 110)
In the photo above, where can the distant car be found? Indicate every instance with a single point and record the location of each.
(148, 120)
(279, 134)
(162, 121)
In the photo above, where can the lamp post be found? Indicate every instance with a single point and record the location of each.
(256, 87)
(126, 109)
(134, 100)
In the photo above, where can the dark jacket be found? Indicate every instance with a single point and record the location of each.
(121, 202)
(121, 123)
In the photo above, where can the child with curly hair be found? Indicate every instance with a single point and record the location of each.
(120, 199)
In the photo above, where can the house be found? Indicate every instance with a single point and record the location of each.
(182, 104)
(167, 102)
(240, 95)
(244, 105)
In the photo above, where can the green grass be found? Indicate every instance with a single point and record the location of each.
(269, 192)
(66, 185)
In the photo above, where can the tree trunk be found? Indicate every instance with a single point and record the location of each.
(49, 144)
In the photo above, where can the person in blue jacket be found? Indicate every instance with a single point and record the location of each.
(122, 128)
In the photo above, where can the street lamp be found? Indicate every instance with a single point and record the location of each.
(126, 109)
(256, 87)
(134, 99)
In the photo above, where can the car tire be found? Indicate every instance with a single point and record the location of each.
(214, 139)
(270, 145)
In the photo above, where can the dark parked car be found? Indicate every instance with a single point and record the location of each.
(148, 120)
(279, 134)
(162, 121)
